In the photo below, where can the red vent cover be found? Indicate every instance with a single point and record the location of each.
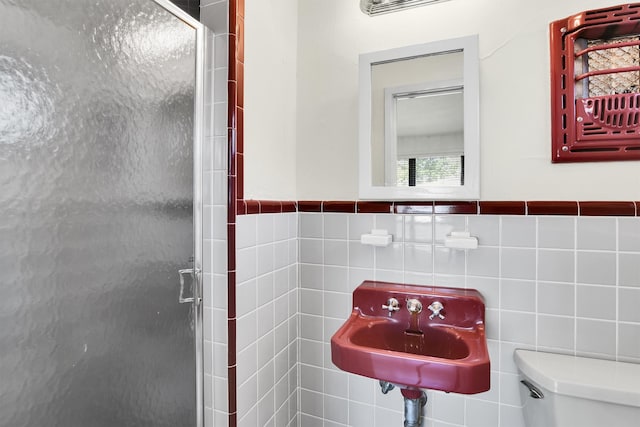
(595, 85)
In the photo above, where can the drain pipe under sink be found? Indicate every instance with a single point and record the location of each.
(414, 400)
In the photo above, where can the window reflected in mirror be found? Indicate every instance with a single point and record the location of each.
(419, 121)
(426, 137)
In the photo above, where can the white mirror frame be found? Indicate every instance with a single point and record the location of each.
(470, 81)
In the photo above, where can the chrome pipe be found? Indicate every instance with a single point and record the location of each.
(413, 410)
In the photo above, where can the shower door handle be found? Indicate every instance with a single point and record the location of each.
(184, 272)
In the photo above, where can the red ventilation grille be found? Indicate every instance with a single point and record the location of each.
(595, 85)
(604, 117)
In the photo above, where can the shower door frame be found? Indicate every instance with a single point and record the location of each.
(198, 123)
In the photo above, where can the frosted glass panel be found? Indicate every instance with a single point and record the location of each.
(96, 194)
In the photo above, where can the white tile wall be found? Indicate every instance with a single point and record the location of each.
(267, 310)
(214, 16)
(553, 289)
(563, 284)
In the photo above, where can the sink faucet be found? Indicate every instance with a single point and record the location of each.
(436, 307)
(414, 306)
(391, 305)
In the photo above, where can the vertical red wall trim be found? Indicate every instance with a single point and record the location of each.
(235, 142)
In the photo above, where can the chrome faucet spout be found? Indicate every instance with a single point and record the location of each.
(414, 306)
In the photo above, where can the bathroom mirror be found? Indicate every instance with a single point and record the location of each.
(419, 131)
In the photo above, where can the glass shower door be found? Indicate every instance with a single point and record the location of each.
(96, 214)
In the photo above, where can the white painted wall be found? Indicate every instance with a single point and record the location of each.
(270, 99)
(301, 142)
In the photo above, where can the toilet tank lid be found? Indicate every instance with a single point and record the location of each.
(596, 379)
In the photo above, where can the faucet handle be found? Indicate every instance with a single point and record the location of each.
(436, 307)
(391, 305)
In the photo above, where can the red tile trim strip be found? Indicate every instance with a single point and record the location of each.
(464, 208)
(607, 208)
(233, 389)
(552, 208)
(425, 208)
(231, 350)
(266, 206)
(231, 241)
(289, 206)
(231, 311)
(339, 206)
(270, 206)
(374, 207)
(503, 208)
(587, 208)
(235, 202)
(253, 206)
(241, 207)
(310, 206)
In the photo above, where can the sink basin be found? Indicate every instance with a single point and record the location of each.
(410, 349)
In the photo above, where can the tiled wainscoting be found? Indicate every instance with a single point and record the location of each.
(566, 284)
(223, 154)
(267, 319)
(216, 217)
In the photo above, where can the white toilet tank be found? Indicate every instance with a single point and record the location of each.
(578, 391)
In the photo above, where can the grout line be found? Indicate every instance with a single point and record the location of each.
(575, 286)
(617, 337)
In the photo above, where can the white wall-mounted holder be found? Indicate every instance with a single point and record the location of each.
(377, 237)
(461, 240)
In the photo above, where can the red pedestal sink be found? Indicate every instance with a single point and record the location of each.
(411, 349)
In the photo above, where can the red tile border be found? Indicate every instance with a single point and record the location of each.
(231, 241)
(233, 148)
(240, 175)
(309, 206)
(289, 206)
(231, 343)
(240, 36)
(270, 206)
(502, 208)
(241, 207)
(233, 15)
(232, 56)
(231, 310)
(339, 206)
(231, 196)
(232, 100)
(253, 206)
(238, 160)
(240, 84)
(455, 208)
(552, 208)
(233, 392)
(570, 208)
(607, 208)
(236, 204)
(374, 207)
(240, 130)
(424, 208)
